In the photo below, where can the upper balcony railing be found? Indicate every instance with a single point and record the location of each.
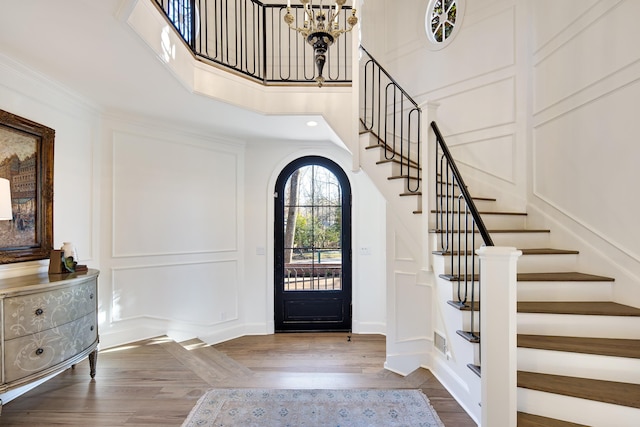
(251, 38)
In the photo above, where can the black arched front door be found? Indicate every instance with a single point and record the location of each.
(312, 247)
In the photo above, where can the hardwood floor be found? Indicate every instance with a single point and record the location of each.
(157, 382)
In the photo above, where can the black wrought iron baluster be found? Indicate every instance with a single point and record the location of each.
(403, 151)
(418, 143)
(379, 96)
(244, 42)
(468, 280)
(472, 256)
(461, 279)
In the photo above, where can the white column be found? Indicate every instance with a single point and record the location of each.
(354, 143)
(498, 334)
(427, 161)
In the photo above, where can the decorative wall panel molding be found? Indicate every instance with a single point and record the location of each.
(185, 202)
(410, 323)
(587, 55)
(204, 293)
(494, 156)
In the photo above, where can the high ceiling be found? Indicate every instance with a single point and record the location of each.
(87, 47)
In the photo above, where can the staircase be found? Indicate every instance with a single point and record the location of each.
(578, 351)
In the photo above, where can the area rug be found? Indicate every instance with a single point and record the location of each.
(313, 408)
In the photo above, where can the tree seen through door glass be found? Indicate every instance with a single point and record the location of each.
(312, 242)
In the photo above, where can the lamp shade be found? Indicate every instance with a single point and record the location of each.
(5, 200)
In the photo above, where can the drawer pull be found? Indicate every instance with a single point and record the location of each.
(39, 351)
(39, 312)
(91, 295)
(91, 328)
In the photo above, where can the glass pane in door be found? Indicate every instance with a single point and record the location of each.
(313, 230)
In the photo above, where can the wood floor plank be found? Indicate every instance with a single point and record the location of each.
(153, 383)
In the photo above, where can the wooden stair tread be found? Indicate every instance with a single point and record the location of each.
(381, 145)
(485, 199)
(629, 348)
(530, 420)
(472, 337)
(502, 230)
(476, 369)
(433, 211)
(466, 306)
(593, 308)
(391, 178)
(532, 251)
(548, 251)
(408, 163)
(616, 393)
(560, 276)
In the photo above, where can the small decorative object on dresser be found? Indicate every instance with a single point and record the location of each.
(49, 323)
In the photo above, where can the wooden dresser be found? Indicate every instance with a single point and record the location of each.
(49, 323)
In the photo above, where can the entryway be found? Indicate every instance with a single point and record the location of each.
(312, 269)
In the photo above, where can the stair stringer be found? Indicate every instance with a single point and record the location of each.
(451, 366)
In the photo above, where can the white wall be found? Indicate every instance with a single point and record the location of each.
(477, 81)
(537, 103)
(172, 232)
(585, 98)
(75, 120)
(264, 161)
(176, 220)
(76, 192)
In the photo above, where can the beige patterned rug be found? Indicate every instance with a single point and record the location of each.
(313, 408)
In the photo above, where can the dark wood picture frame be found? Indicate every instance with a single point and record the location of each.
(26, 159)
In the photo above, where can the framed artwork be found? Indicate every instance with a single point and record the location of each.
(26, 160)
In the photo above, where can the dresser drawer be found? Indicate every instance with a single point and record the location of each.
(26, 314)
(33, 353)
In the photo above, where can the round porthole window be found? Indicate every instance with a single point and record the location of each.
(443, 20)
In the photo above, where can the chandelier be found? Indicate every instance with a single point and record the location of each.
(321, 28)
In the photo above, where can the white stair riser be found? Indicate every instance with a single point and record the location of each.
(451, 203)
(551, 262)
(579, 325)
(402, 169)
(526, 263)
(519, 240)
(491, 221)
(565, 291)
(580, 411)
(380, 174)
(607, 368)
(390, 188)
(407, 185)
(543, 291)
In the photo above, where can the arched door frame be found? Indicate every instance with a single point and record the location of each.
(345, 297)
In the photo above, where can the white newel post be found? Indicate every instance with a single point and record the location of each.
(498, 332)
